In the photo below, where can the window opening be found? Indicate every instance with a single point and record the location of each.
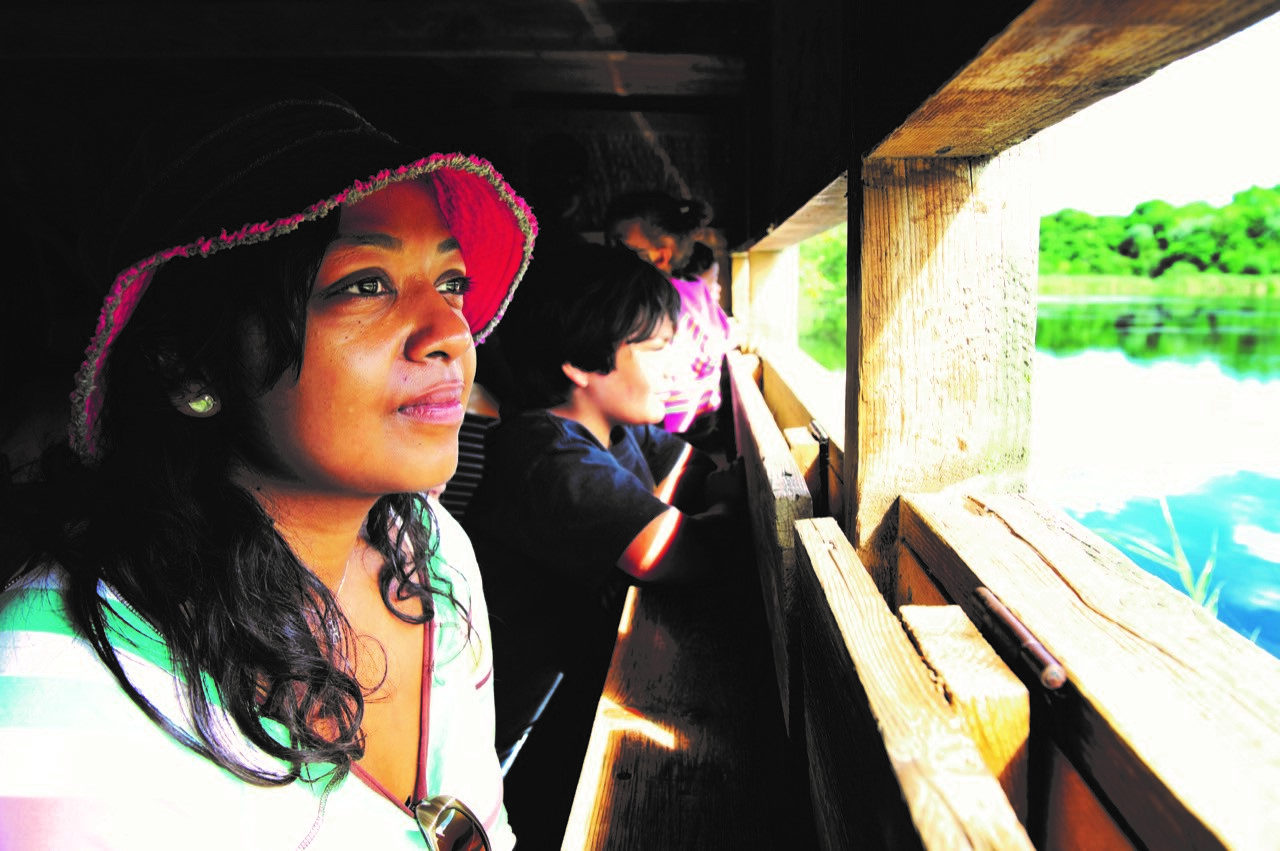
(1156, 389)
(823, 302)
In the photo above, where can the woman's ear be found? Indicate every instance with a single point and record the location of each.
(579, 377)
(196, 399)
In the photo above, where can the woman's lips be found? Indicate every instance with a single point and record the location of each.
(441, 405)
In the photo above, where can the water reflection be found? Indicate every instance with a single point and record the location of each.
(1240, 333)
(1198, 423)
(1230, 523)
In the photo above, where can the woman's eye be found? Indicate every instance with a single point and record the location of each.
(457, 285)
(366, 286)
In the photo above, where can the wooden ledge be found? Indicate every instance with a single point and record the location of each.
(1170, 715)
(778, 496)
(889, 763)
(688, 740)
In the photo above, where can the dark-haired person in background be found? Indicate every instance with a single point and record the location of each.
(583, 494)
(669, 234)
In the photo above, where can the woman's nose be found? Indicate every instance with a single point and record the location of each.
(440, 329)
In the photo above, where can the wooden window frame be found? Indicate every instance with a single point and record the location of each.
(935, 438)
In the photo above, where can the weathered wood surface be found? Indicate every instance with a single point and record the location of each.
(889, 764)
(688, 739)
(1173, 718)
(939, 374)
(778, 497)
(989, 697)
(914, 585)
(1056, 58)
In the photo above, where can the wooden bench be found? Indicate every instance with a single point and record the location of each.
(689, 747)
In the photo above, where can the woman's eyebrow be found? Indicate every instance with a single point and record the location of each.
(389, 242)
(374, 238)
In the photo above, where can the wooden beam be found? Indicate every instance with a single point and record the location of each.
(942, 334)
(1163, 702)
(777, 497)
(822, 212)
(1056, 58)
(990, 699)
(889, 764)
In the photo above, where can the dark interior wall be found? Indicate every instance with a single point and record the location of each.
(800, 107)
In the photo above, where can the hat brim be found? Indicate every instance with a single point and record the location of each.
(493, 225)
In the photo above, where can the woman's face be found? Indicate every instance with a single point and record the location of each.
(657, 249)
(387, 360)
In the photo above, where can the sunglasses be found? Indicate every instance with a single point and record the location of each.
(449, 825)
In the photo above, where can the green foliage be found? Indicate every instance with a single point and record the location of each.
(1158, 239)
(823, 298)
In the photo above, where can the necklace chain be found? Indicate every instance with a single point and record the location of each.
(343, 581)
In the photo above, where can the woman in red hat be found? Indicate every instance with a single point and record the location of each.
(241, 622)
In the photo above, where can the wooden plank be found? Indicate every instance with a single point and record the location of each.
(777, 497)
(914, 584)
(1075, 818)
(687, 732)
(1056, 58)
(804, 449)
(940, 369)
(1163, 702)
(889, 764)
(823, 211)
(990, 699)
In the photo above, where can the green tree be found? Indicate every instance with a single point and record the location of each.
(823, 298)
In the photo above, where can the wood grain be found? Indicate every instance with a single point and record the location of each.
(778, 497)
(688, 734)
(914, 584)
(990, 699)
(945, 313)
(1056, 58)
(1163, 704)
(890, 766)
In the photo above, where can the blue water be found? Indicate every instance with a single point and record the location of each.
(1232, 519)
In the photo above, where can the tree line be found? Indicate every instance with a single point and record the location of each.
(1157, 239)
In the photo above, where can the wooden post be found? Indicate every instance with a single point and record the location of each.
(740, 288)
(943, 302)
(774, 287)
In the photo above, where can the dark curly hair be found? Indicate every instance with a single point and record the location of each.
(248, 626)
(678, 218)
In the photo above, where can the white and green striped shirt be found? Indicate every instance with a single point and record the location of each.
(82, 767)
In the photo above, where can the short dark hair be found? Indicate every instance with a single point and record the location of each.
(579, 305)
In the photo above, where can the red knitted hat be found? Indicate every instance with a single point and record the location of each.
(266, 170)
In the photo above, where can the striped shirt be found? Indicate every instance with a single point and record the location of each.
(81, 766)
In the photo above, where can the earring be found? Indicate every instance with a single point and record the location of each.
(204, 405)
